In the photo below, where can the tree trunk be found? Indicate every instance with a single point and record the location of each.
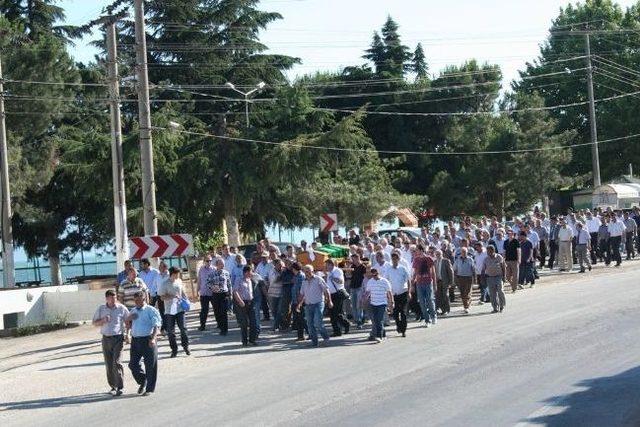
(232, 230)
(54, 261)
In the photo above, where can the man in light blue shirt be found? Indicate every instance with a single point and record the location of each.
(151, 277)
(145, 324)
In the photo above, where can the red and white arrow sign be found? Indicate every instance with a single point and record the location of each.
(161, 246)
(328, 222)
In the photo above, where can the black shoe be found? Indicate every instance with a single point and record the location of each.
(346, 328)
(174, 354)
(201, 328)
(253, 343)
(494, 311)
(112, 392)
(589, 268)
(141, 388)
(187, 352)
(404, 335)
(118, 392)
(244, 344)
(336, 334)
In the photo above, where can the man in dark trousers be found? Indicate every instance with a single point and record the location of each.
(111, 318)
(145, 325)
(554, 228)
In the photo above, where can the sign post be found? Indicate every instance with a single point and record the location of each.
(328, 223)
(173, 245)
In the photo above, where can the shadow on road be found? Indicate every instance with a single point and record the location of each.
(56, 402)
(606, 401)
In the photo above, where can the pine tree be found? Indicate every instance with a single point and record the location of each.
(376, 53)
(397, 55)
(420, 66)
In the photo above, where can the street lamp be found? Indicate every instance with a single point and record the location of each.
(246, 96)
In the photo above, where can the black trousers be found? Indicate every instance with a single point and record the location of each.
(594, 248)
(265, 303)
(285, 306)
(400, 303)
(414, 306)
(542, 255)
(112, 352)
(298, 322)
(553, 252)
(442, 297)
(172, 320)
(142, 351)
(336, 315)
(205, 302)
(157, 302)
(605, 250)
(614, 243)
(247, 321)
(219, 302)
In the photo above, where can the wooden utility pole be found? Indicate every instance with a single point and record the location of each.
(8, 266)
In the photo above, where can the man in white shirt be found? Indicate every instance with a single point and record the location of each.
(398, 275)
(616, 231)
(593, 225)
(335, 283)
(565, 241)
(481, 255)
(379, 263)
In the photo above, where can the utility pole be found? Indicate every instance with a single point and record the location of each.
(595, 156)
(8, 267)
(144, 111)
(117, 164)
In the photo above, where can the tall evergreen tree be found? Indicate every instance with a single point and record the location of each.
(376, 53)
(420, 66)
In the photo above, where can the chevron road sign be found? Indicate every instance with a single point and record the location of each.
(328, 222)
(161, 246)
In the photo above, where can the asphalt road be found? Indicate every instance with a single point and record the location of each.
(562, 354)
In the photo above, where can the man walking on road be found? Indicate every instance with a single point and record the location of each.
(444, 273)
(424, 277)
(464, 273)
(243, 290)
(565, 238)
(219, 283)
(512, 257)
(399, 277)
(145, 325)
(313, 294)
(205, 294)
(630, 235)
(151, 277)
(616, 231)
(494, 270)
(583, 247)
(111, 318)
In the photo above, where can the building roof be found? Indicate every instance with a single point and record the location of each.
(630, 190)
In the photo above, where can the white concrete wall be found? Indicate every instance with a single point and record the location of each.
(30, 302)
(72, 306)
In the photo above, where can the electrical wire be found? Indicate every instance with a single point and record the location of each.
(373, 151)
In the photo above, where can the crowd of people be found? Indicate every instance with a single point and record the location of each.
(383, 277)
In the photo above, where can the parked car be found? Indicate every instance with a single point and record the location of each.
(248, 250)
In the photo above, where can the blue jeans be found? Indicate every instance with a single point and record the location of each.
(526, 273)
(313, 314)
(378, 319)
(356, 305)
(427, 302)
(274, 305)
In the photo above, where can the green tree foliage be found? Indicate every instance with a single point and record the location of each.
(419, 65)
(614, 47)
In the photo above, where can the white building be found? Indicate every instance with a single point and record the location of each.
(617, 196)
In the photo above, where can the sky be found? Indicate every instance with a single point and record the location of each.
(329, 34)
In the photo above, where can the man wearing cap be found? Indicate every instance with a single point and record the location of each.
(583, 246)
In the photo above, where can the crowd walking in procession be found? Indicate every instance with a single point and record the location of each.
(397, 277)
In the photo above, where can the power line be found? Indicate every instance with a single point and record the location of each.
(373, 151)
